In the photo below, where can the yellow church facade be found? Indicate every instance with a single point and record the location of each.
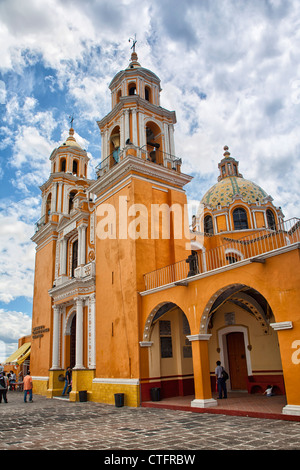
(132, 298)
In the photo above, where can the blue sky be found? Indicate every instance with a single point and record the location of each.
(229, 68)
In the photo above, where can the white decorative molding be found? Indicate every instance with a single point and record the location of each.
(204, 403)
(116, 381)
(283, 325)
(35, 377)
(199, 337)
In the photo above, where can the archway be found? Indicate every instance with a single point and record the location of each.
(170, 364)
(70, 343)
(238, 319)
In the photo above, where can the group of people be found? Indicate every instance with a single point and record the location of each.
(5, 383)
(222, 376)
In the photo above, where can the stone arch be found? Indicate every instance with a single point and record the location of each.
(150, 318)
(249, 298)
(169, 352)
(68, 322)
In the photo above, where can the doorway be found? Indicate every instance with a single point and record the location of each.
(237, 360)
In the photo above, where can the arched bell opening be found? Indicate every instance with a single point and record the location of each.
(154, 143)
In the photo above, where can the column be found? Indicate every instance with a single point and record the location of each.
(172, 143)
(134, 128)
(92, 331)
(127, 130)
(63, 257)
(81, 244)
(59, 197)
(203, 395)
(79, 334)
(55, 339)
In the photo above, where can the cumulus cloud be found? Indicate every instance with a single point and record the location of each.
(14, 325)
(17, 250)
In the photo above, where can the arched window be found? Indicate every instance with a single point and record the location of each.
(240, 219)
(63, 164)
(271, 220)
(132, 89)
(71, 197)
(74, 257)
(75, 167)
(147, 94)
(119, 95)
(48, 208)
(208, 224)
(232, 258)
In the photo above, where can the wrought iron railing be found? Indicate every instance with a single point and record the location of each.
(155, 156)
(232, 251)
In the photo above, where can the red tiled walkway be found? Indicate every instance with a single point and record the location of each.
(237, 403)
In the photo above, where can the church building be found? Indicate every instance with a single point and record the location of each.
(131, 297)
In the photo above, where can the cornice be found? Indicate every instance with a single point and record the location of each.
(140, 71)
(140, 104)
(72, 288)
(65, 176)
(132, 165)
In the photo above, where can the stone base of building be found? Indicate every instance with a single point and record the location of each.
(104, 390)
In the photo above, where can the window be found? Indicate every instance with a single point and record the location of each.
(71, 197)
(165, 339)
(271, 220)
(232, 258)
(74, 257)
(240, 220)
(119, 95)
(147, 93)
(208, 224)
(63, 165)
(132, 89)
(75, 167)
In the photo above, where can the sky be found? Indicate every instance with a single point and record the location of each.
(230, 69)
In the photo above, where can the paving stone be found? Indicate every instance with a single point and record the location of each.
(49, 424)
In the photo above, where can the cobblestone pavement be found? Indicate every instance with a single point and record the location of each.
(53, 424)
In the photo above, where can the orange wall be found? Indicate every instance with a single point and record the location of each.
(42, 309)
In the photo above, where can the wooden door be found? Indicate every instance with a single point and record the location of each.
(237, 361)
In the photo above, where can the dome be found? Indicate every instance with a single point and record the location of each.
(71, 141)
(224, 191)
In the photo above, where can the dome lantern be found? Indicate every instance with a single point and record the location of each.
(228, 166)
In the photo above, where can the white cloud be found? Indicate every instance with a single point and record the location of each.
(14, 325)
(17, 250)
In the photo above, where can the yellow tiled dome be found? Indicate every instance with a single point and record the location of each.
(224, 191)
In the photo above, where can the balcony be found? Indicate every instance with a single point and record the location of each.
(153, 156)
(234, 251)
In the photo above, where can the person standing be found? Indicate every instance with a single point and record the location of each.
(68, 381)
(221, 382)
(3, 387)
(27, 387)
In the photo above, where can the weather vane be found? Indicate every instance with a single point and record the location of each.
(71, 120)
(134, 41)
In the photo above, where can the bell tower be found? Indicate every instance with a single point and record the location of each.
(141, 217)
(137, 119)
